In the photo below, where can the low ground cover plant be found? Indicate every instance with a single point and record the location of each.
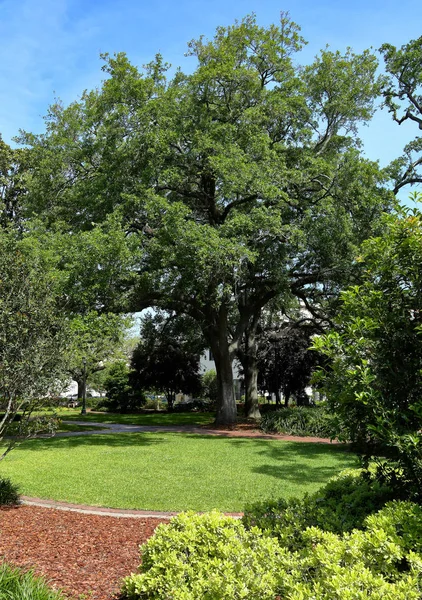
(19, 585)
(301, 421)
(206, 556)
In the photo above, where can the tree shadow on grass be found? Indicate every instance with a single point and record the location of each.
(301, 462)
(111, 440)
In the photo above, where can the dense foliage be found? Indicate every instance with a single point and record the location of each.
(167, 357)
(9, 492)
(122, 397)
(286, 363)
(210, 556)
(340, 506)
(206, 556)
(19, 585)
(302, 420)
(375, 382)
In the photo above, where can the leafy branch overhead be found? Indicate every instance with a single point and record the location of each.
(403, 98)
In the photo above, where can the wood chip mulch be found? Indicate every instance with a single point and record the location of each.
(84, 555)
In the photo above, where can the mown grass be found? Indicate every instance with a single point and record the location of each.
(170, 471)
(164, 418)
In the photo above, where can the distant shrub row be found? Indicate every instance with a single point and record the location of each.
(302, 421)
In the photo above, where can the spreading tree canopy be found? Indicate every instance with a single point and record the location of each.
(240, 182)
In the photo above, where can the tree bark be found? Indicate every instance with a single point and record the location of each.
(250, 368)
(219, 341)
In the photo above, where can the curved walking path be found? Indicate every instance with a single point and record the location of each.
(108, 428)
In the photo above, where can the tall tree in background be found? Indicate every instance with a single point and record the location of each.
(403, 98)
(167, 357)
(240, 182)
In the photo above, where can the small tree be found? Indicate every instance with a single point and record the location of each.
(97, 338)
(209, 385)
(31, 340)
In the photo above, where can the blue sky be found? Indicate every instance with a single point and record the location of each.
(50, 48)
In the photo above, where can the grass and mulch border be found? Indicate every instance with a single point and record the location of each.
(84, 555)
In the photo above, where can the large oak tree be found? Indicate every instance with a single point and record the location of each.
(240, 182)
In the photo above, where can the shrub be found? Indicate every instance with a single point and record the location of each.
(208, 556)
(17, 585)
(304, 421)
(340, 506)
(381, 562)
(9, 493)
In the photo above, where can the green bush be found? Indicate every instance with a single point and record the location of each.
(18, 585)
(205, 557)
(381, 563)
(210, 557)
(9, 493)
(301, 420)
(340, 506)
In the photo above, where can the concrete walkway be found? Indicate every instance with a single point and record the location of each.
(120, 428)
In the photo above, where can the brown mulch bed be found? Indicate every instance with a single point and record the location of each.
(79, 553)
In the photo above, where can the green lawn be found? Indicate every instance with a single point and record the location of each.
(170, 471)
(164, 418)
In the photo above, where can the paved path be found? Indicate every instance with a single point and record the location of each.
(120, 428)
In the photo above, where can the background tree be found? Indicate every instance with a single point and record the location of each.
(97, 338)
(239, 182)
(286, 363)
(168, 356)
(32, 341)
(376, 380)
(403, 98)
(13, 169)
(122, 395)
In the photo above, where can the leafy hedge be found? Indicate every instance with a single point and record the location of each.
(301, 420)
(209, 557)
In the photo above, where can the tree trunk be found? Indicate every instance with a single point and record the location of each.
(226, 402)
(250, 368)
(218, 338)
